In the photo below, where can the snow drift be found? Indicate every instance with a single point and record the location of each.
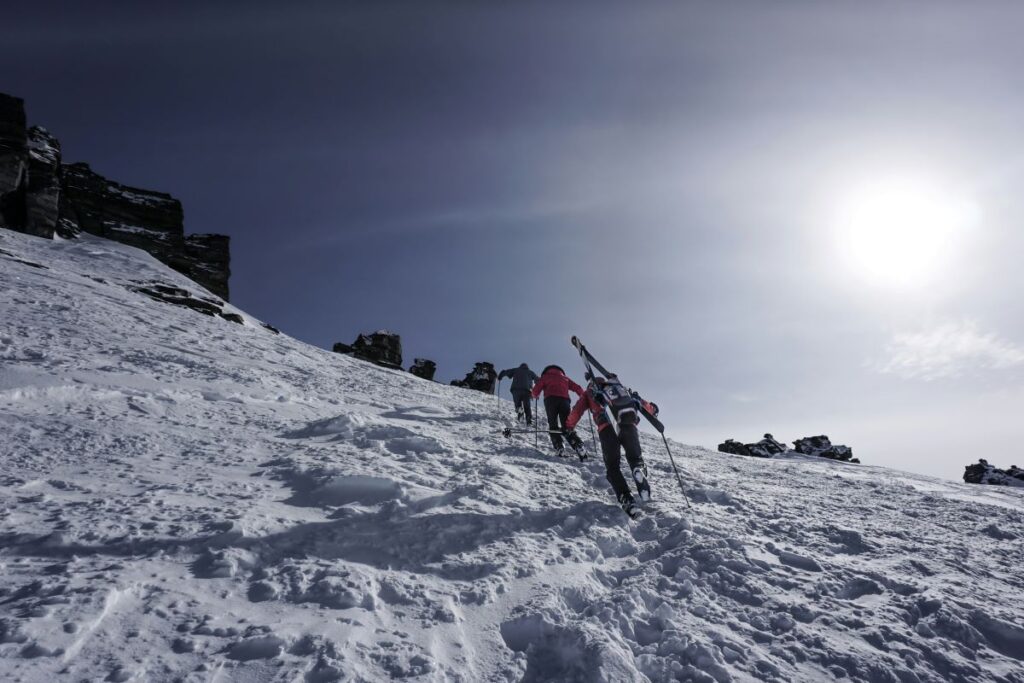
(186, 498)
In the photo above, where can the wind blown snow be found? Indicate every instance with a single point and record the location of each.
(184, 498)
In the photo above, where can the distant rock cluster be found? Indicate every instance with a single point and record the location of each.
(42, 196)
(984, 473)
(767, 447)
(384, 348)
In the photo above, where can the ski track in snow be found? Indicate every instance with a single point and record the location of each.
(185, 498)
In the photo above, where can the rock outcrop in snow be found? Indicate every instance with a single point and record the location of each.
(765, 448)
(822, 447)
(187, 499)
(423, 368)
(41, 196)
(382, 348)
(818, 446)
(482, 377)
(984, 473)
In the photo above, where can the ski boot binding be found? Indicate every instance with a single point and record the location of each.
(629, 505)
(643, 487)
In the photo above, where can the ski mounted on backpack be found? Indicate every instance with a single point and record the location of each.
(590, 363)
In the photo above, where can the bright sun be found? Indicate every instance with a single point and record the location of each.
(900, 233)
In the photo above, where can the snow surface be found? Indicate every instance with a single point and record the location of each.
(186, 498)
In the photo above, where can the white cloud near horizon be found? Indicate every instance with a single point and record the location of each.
(951, 350)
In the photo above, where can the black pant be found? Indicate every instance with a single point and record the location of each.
(557, 409)
(522, 402)
(612, 445)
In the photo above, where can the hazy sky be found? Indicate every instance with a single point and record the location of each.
(714, 196)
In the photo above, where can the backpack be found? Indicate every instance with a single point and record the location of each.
(621, 401)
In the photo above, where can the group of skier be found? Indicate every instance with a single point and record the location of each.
(615, 412)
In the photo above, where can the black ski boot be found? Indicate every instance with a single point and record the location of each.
(560, 452)
(628, 505)
(643, 487)
(577, 445)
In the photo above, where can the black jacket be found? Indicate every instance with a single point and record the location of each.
(522, 377)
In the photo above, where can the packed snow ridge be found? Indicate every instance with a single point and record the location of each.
(184, 498)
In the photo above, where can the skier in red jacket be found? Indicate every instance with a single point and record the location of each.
(608, 400)
(556, 386)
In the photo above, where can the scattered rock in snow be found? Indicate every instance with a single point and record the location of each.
(984, 473)
(765, 448)
(482, 377)
(822, 447)
(381, 347)
(423, 368)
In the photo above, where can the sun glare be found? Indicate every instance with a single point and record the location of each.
(900, 233)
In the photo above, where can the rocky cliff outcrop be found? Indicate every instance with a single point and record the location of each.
(380, 347)
(42, 196)
(13, 161)
(42, 190)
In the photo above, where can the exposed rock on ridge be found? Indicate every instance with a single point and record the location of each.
(42, 196)
(984, 473)
(380, 347)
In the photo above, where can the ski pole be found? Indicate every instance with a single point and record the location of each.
(593, 435)
(674, 469)
(497, 399)
(537, 428)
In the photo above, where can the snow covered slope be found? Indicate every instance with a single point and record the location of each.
(186, 498)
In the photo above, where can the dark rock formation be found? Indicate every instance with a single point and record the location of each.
(43, 189)
(41, 196)
(421, 367)
(768, 447)
(822, 447)
(482, 378)
(380, 347)
(733, 447)
(151, 221)
(13, 162)
(169, 294)
(765, 448)
(984, 473)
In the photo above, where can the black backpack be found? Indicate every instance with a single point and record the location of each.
(621, 401)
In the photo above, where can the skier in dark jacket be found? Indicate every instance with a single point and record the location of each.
(608, 400)
(522, 382)
(555, 386)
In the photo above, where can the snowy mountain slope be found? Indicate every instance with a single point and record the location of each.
(185, 498)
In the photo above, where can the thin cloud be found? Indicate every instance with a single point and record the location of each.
(950, 350)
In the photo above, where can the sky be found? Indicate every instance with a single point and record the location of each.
(776, 217)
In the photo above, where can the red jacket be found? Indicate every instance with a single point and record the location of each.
(553, 382)
(601, 418)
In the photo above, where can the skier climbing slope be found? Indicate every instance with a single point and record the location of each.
(614, 412)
